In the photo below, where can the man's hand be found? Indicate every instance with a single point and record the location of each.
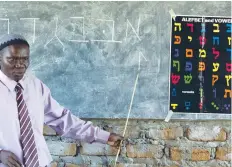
(9, 159)
(114, 140)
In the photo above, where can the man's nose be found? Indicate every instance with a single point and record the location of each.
(18, 63)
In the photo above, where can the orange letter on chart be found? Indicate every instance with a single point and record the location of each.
(201, 66)
(189, 53)
(214, 79)
(177, 39)
(228, 91)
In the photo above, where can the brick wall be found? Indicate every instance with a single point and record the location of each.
(150, 143)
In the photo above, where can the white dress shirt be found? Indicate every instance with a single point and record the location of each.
(43, 109)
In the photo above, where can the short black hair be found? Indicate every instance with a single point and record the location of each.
(11, 39)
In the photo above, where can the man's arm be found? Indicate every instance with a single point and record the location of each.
(68, 125)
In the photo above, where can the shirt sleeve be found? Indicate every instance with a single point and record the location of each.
(0, 152)
(68, 125)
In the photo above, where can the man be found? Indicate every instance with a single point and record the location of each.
(26, 105)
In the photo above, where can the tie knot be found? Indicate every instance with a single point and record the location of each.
(18, 87)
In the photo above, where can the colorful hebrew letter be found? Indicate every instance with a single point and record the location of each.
(216, 52)
(176, 64)
(215, 67)
(214, 105)
(177, 39)
(215, 39)
(177, 25)
(203, 27)
(174, 106)
(173, 91)
(216, 28)
(201, 78)
(176, 53)
(215, 92)
(190, 38)
(191, 26)
(175, 79)
(228, 92)
(187, 105)
(229, 28)
(202, 40)
(227, 106)
(187, 79)
(228, 67)
(229, 40)
(202, 53)
(228, 78)
(188, 66)
(214, 79)
(189, 53)
(201, 66)
(229, 50)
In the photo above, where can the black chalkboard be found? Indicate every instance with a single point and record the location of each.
(200, 69)
(89, 53)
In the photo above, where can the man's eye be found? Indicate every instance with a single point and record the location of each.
(10, 59)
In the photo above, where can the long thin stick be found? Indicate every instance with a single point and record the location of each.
(128, 116)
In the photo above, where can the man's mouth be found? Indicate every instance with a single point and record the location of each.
(19, 73)
(21, 70)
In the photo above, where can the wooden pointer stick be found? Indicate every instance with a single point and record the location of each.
(128, 116)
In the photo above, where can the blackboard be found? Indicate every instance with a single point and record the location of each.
(200, 77)
(89, 53)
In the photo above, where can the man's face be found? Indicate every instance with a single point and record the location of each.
(14, 61)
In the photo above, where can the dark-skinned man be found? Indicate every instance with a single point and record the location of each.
(26, 105)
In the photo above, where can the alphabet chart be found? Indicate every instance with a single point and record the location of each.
(200, 65)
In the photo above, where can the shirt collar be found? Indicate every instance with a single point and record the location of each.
(9, 83)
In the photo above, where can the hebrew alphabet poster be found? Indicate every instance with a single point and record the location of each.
(200, 65)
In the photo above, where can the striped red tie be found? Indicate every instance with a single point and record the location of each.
(26, 133)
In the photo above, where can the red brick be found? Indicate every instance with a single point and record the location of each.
(166, 134)
(223, 153)
(175, 154)
(200, 155)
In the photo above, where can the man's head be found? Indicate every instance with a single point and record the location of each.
(14, 56)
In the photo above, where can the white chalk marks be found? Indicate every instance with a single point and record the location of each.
(8, 24)
(141, 55)
(55, 36)
(34, 19)
(113, 32)
(96, 40)
(136, 58)
(83, 30)
(136, 32)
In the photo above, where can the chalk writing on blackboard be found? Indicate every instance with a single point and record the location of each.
(34, 25)
(55, 36)
(82, 20)
(8, 23)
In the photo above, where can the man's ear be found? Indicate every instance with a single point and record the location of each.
(0, 58)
